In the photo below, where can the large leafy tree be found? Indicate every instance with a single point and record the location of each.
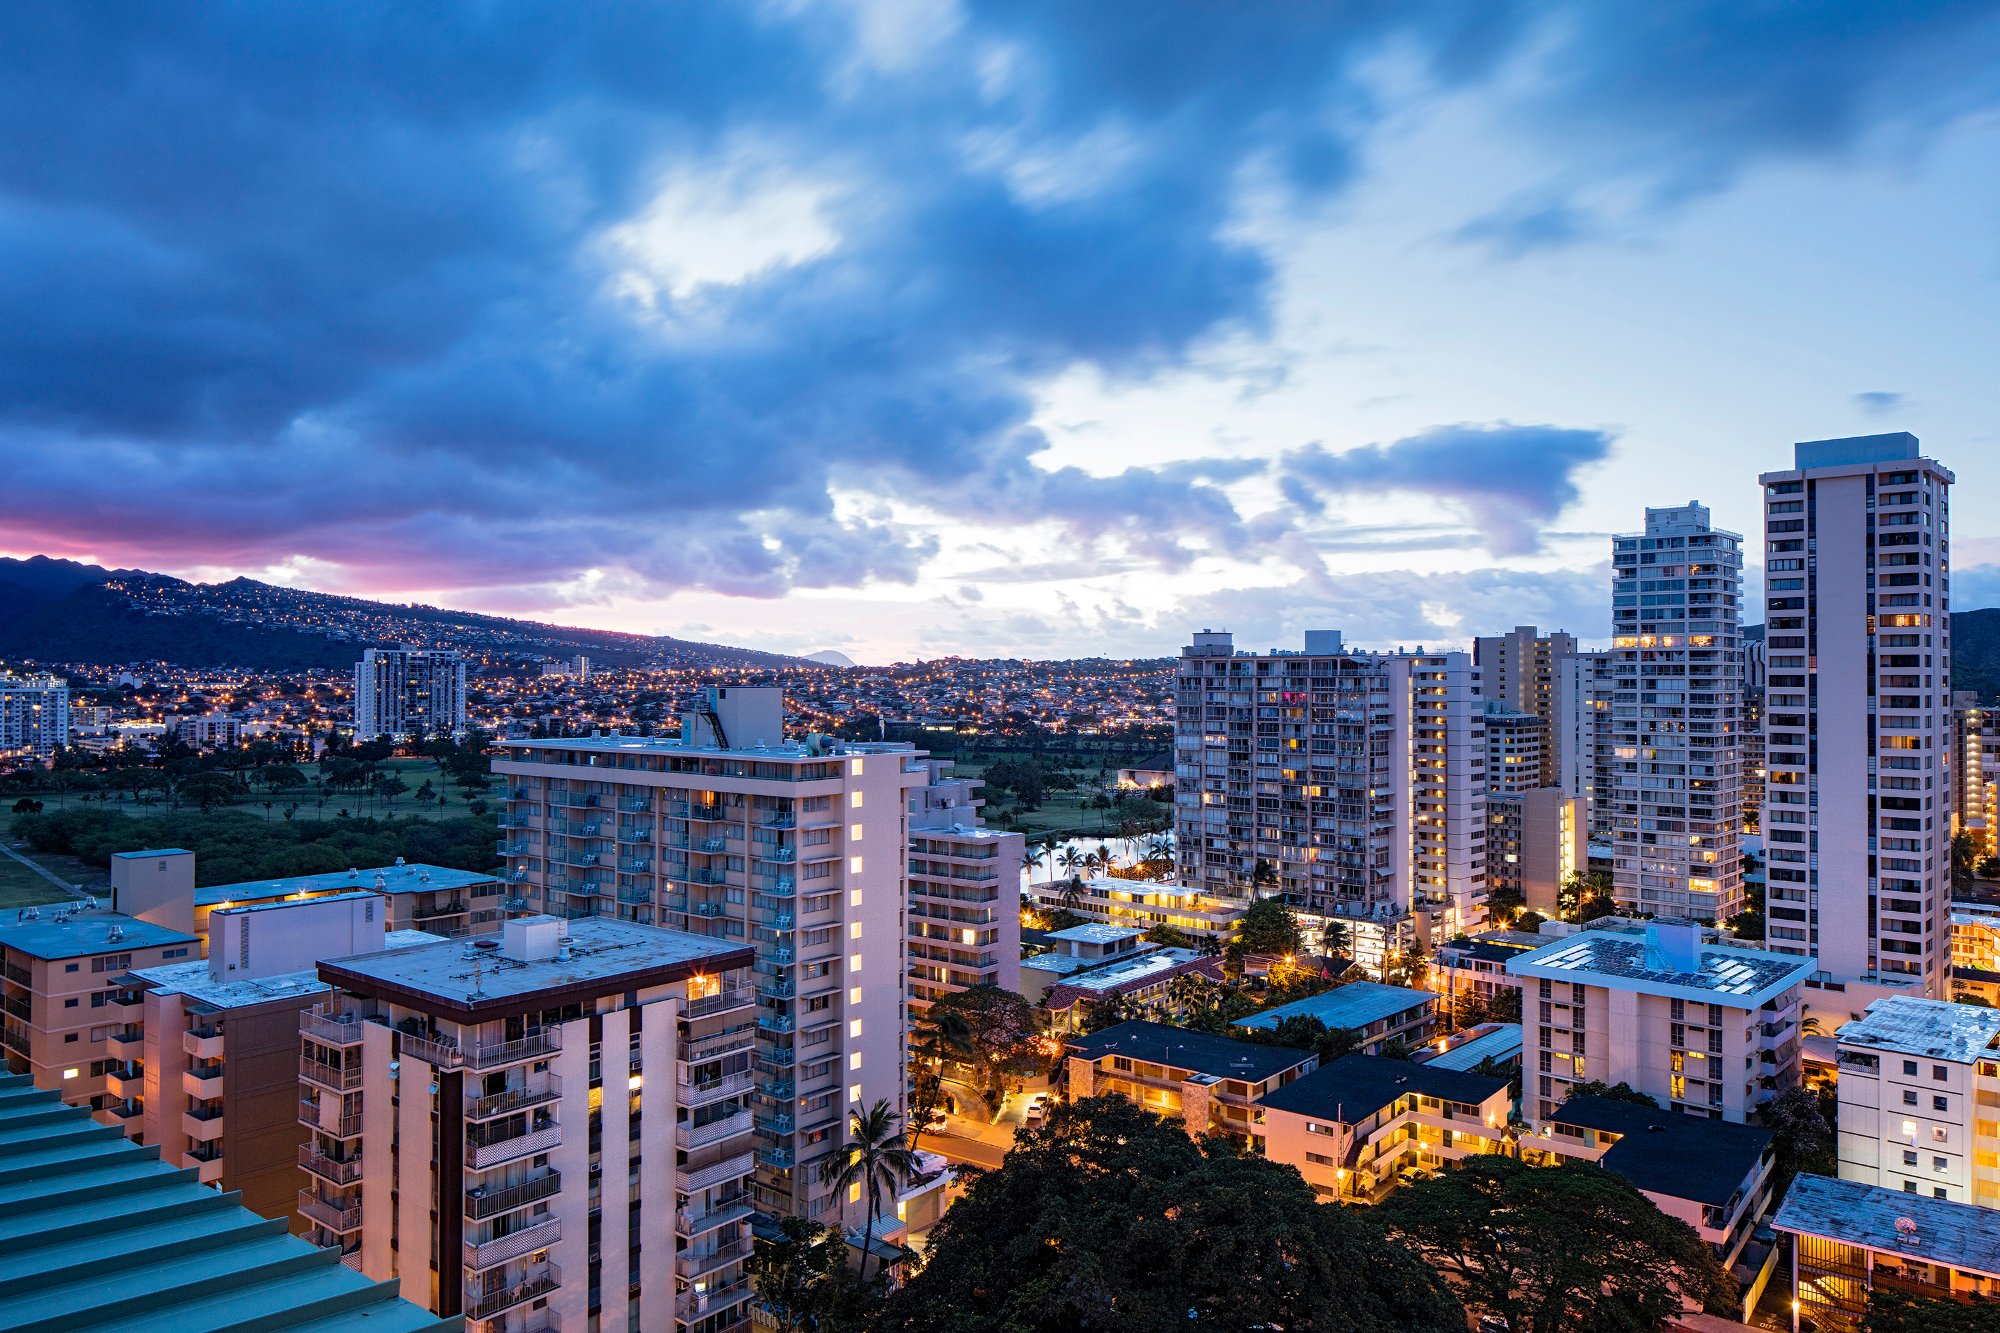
(800, 1276)
(1268, 926)
(1553, 1249)
(939, 1038)
(999, 1027)
(1802, 1131)
(1896, 1312)
(1109, 1218)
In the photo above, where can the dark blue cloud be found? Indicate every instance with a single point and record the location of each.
(1879, 402)
(1509, 481)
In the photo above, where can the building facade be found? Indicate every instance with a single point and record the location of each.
(1676, 718)
(965, 902)
(34, 717)
(1210, 1084)
(1523, 671)
(1975, 730)
(401, 692)
(1858, 785)
(1919, 1084)
(796, 851)
(545, 1129)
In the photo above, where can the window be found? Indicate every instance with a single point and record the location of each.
(1909, 1187)
(1940, 1164)
(1940, 1103)
(70, 967)
(1319, 1159)
(1910, 1068)
(1909, 1158)
(1937, 1192)
(1939, 1073)
(1909, 1097)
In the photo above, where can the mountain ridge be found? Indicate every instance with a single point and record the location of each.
(55, 610)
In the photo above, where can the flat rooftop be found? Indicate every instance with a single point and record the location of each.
(473, 979)
(194, 981)
(156, 851)
(98, 1234)
(1129, 970)
(393, 879)
(1355, 1087)
(780, 750)
(61, 931)
(1962, 1235)
(1182, 1048)
(1502, 1043)
(1934, 1029)
(1353, 1006)
(1096, 933)
(1622, 961)
(1667, 1152)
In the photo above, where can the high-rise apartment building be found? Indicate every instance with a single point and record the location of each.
(34, 716)
(1676, 717)
(1352, 783)
(1858, 785)
(796, 851)
(548, 1128)
(1975, 734)
(965, 891)
(1522, 671)
(1514, 750)
(399, 692)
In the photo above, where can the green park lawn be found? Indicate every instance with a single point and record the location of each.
(310, 803)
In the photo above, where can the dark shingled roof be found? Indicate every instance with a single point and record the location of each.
(1203, 1052)
(1668, 1152)
(1355, 1087)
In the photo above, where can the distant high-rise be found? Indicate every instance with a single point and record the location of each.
(1522, 671)
(1352, 783)
(965, 891)
(399, 692)
(1858, 785)
(1975, 754)
(1676, 717)
(34, 716)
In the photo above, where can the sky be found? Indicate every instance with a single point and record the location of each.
(999, 330)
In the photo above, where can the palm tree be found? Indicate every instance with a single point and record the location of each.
(940, 1037)
(1333, 937)
(1071, 860)
(1070, 895)
(874, 1158)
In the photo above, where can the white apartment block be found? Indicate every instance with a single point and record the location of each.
(544, 1129)
(1580, 732)
(965, 895)
(1708, 1029)
(34, 717)
(399, 692)
(1359, 779)
(1675, 803)
(1858, 786)
(797, 851)
(1919, 1088)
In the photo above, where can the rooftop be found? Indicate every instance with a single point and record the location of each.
(392, 879)
(615, 743)
(1622, 961)
(1666, 1152)
(1128, 970)
(98, 1234)
(1937, 1029)
(154, 851)
(474, 979)
(1353, 1006)
(1962, 1235)
(194, 981)
(1502, 1043)
(1096, 933)
(1183, 1048)
(65, 931)
(1355, 1087)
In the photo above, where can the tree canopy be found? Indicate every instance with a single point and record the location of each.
(1268, 926)
(1556, 1248)
(1110, 1218)
(1897, 1312)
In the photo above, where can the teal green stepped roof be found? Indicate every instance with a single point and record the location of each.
(97, 1233)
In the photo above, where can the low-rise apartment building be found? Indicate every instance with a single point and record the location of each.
(1849, 1239)
(1210, 1084)
(1376, 1014)
(1363, 1126)
(1713, 1175)
(548, 1128)
(1471, 973)
(1920, 1098)
(1710, 1029)
(61, 1000)
(1140, 904)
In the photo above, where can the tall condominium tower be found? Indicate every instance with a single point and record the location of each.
(1975, 757)
(1356, 780)
(1580, 730)
(34, 716)
(544, 1129)
(1676, 716)
(796, 851)
(401, 691)
(1522, 671)
(1858, 784)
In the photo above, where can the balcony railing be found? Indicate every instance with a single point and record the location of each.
(493, 1147)
(329, 1168)
(702, 1049)
(722, 1214)
(735, 997)
(332, 1216)
(481, 1204)
(690, 1137)
(340, 1078)
(339, 1125)
(729, 1168)
(513, 1245)
(692, 1264)
(493, 1055)
(701, 1094)
(493, 1294)
(539, 1091)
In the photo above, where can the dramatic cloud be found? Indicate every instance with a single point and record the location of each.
(1509, 480)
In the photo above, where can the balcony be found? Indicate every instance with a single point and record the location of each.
(635, 865)
(495, 1146)
(338, 1216)
(778, 1124)
(702, 1049)
(336, 1078)
(202, 1124)
(491, 1295)
(128, 1080)
(690, 1264)
(777, 988)
(203, 1082)
(481, 1204)
(635, 895)
(691, 1137)
(513, 1245)
(767, 852)
(333, 1170)
(775, 1159)
(783, 1024)
(778, 886)
(635, 805)
(539, 1090)
(714, 1090)
(701, 1307)
(723, 1214)
(330, 1118)
(707, 1006)
(494, 1055)
(706, 1177)
(126, 1043)
(439, 911)
(207, 1163)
